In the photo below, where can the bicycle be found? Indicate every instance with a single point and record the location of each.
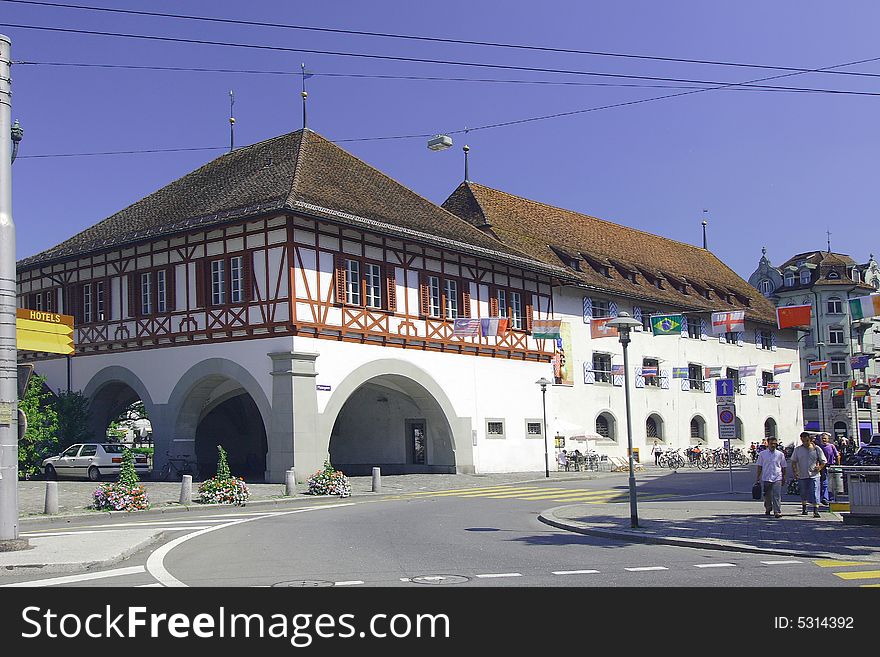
(177, 466)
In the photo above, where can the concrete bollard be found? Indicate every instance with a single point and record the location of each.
(51, 497)
(186, 489)
(377, 480)
(290, 482)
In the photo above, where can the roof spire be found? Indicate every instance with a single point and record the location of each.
(705, 223)
(304, 93)
(828, 233)
(466, 148)
(231, 121)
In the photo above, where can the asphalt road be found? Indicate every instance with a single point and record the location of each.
(477, 537)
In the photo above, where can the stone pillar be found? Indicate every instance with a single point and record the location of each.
(293, 435)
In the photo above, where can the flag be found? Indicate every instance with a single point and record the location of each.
(837, 392)
(788, 316)
(728, 322)
(490, 326)
(557, 365)
(860, 393)
(859, 362)
(817, 366)
(797, 385)
(600, 329)
(666, 324)
(466, 327)
(617, 369)
(649, 371)
(712, 372)
(680, 373)
(747, 370)
(772, 385)
(824, 385)
(546, 329)
(862, 307)
(850, 384)
(781, 368)
(815, 393)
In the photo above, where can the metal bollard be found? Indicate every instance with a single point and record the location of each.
(836, 477)
(377, 480)
(51, 497)
(186, 489)
(290, 482)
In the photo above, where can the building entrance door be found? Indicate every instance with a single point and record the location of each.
(418, 441)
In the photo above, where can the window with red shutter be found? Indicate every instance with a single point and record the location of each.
(201, 283)
(391, 288)
(340, 279)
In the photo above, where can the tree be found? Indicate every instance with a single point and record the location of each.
(41, 439)
(73, 419)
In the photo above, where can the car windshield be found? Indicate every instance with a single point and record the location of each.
(114, 449)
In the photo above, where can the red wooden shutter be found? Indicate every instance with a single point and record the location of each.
(494, 310)
(424, 307)
(71, 307)
(530, 312)
(108, 309)
(340, 278)
(465, 299)
(247, 274)
(201, 280)
(391, 287)
(170, 289)
(132, 295)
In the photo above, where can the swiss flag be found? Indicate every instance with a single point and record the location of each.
(598, 328)
(788, 316)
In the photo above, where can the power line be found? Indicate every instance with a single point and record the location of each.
(742, 87)
(132, 152)
(413, 37)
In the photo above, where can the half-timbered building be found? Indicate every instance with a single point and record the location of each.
(293, 303)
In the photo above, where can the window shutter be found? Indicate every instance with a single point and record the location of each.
(684, 326)
(743, 387)
(640, 380)
(617, 379)
(685, 384)
(530, 312)
(201, 276)
(760, 388)
(132, 295)
(340, 279)
(588, 310)
(772, 341)
(637, 315)
(71, 302)
(494, 310)
(740, 338)
(424, 308)
(391, 288)
(170, 289)
(248, 276)
(704, 330)
(707, 385)
(758, 338)
(589, 375)
(664, 379)
(722, 338)
(466, 299)
(612, 309)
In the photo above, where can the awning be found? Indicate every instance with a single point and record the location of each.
(812, 426)
(865, 425)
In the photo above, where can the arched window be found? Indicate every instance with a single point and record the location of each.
(698, 429)
(766, 287)
(770, 428)
(654, 428)
(805, 276)
(605, 426)
(840, 429)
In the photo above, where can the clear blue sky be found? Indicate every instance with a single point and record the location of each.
(774, 169)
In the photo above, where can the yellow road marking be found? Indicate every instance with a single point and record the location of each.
(559, 492)
(860, 574)
(473, 490)
(869, 586)
(832, 563)
(482, 493)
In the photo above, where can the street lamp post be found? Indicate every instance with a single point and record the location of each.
(624, 324)
(544, 383)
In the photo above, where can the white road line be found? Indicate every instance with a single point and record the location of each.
(105, 531)
(776, 563)
(714, 565)
(405, 579)
(644, 568)
(69, 579)
(147, 586)
(352, 583)
(156, 561)
(151, 523)
(501, 575)
(574, 572)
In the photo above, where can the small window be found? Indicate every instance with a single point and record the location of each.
(733, 373)
(838, 368)
(811, 402)
(236, 279)
(856, 276)
(732, 338)
(601, 308)
(353, 282)
(765, 340)
(373, 283)
(602, 368)
(835, 336)
(71, 451)
(646, 320)
(502, 303)
(146, 293)
(433, 296)
(695, 376)
(770, 428)
(218, 282)
(161, 292)
(789, 279)
(87, 303)
(653, 381)
(451, 290)
(516, 310)
(605, 426)
(695, 330)
(100, 304)
(835, 306)
(766, 288)
(838, 401)
(806, 277)
(495, 428)
(698, 428)
(766, 377)
(534, 429)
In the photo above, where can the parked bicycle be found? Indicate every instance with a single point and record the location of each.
(177, 466)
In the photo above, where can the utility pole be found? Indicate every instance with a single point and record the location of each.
(9, 539)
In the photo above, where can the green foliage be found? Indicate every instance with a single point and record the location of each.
(73, 419)
(41, 439)
(149, 451)
(329, 481)
(127, 474)
(223, 465)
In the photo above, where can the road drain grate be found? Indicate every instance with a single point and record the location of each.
(440, 579)
(305, 583)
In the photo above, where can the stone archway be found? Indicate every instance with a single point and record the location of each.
(111, 391)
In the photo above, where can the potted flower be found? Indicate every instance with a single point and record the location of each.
(223, 488)
(329, 482)
(126, 494)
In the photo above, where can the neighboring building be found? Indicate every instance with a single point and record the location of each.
(826, 281)
(291, 302)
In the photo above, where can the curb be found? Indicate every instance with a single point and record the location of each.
(77, 567)
(549, 518)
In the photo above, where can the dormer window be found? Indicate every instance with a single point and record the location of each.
(766, 287)
(805, 277)
(856, 276)
(833, 275)
(789, 279)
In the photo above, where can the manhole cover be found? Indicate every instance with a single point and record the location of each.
(304, 583)
(440, 579)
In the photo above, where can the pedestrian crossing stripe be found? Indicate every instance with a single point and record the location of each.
(860, 574)
(833, 563)
(538, 493)
(475, 490)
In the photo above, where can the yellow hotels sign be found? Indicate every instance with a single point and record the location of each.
(36, 330)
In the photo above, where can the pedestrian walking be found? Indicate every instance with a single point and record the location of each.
(563, 460)
(656, 450)
(807, 462)
(832, 454)
(771, 474)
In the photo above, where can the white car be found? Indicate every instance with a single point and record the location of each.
(91, 460)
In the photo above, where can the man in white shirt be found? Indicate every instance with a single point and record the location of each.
(771, 474)
(807, 461)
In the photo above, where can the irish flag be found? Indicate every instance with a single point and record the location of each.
(862, 307)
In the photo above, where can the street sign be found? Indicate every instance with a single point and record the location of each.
(726, 421)
(24, 376)
(36, 330)
(724, 391)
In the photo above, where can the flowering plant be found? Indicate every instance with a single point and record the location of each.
(126, 494)
(329, 482)
(223, 488)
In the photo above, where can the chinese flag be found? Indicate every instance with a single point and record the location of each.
(788, 316)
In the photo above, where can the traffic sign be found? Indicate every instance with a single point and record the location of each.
(724, 391)
(726, 421)
(36, 330)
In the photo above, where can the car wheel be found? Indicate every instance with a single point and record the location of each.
(94, 474)
(51, 475)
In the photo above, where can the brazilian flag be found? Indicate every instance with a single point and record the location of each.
(666, 324)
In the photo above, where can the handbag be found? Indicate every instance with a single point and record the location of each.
(756, 492)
